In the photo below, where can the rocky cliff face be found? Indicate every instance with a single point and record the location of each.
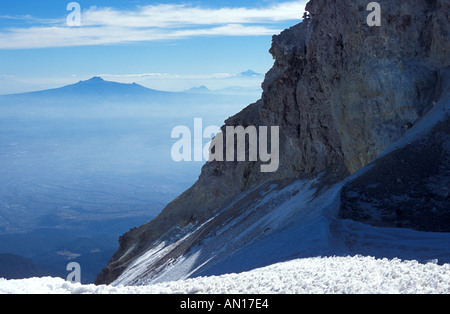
(408, 186)
(340, 91)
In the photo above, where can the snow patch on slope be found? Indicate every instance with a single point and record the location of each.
(286, 223)
(274, 208)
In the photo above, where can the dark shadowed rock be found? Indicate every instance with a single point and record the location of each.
(408, 188)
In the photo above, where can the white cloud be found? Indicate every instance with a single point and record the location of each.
(6, 76)
(170, 15)
(44, 37)
(102, 26)
(169, 76)
(18, 17)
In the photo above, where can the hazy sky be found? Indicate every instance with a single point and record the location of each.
(166, 44)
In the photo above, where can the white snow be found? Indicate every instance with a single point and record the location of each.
(330, 275)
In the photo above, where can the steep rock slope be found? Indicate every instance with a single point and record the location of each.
(18, 267)
(340, 91)
(275, 222)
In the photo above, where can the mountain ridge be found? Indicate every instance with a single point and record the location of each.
(95, 86)
(279, 221)
(98, 90)
(341, 92)
(17, 267)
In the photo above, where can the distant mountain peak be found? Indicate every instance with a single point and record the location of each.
(250, 73)
(102, 83)
(95, 87)
(200, 89)
(100, 80)
(95, 79)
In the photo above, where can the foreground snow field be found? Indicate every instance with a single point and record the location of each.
(330, 275)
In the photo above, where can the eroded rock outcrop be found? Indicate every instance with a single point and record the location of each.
(340, 91)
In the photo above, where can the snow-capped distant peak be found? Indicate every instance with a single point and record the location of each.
(250, 73)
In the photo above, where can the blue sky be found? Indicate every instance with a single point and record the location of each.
(166, 44)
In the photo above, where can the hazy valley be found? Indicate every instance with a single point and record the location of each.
(82, 164)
